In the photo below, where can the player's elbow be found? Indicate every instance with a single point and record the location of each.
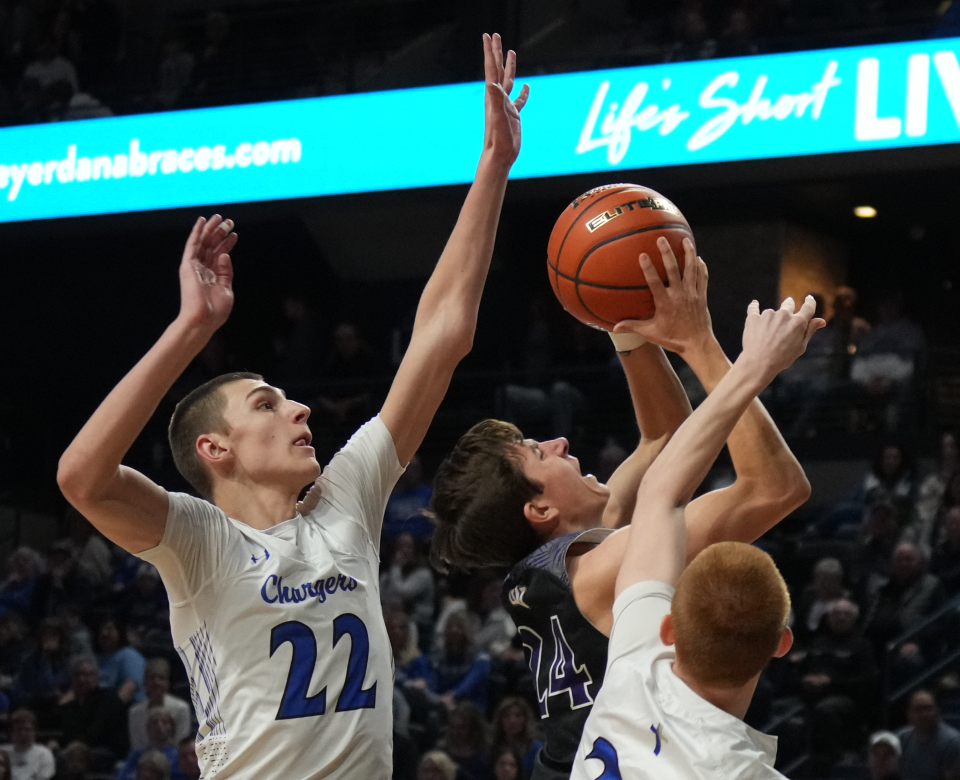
(787, 493)
(73, 480)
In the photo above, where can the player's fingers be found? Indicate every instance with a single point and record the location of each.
(753, 308)
(669, 262)
(223, 270)
(808, 308)
(211, 236)
(788, 305)
(521, 100)
(498, 56)
(654, 282)
(631, 326)
(691, 268)
(812, 327)
(703, 278)
(489, 68)
(509, 71)
(226, 246)
(193, 240)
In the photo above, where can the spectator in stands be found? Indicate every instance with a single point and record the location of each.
(153, 765)
(74, 762)
(407, 504)
(79, 636)
(833, 740)
(889, 358)
(878, 535)
(14, 645)
(44, 675)
(29, 761)
(909, 595)
(121, 666)
(436, 765)
(296, 347)
(945, 562)
(507, 764)
(513, 726)
(739, 35)
(353, 365)
(410, 580)
(91, 714)
(930, 747)
(217, 71)
(50, 66)
(840, 661)
(540, 398)
(89, 549)
(16, 592)
(160, 730)
(157, 683)
(175, 73)
(62, 583)
(817, 598)
(461, 673)
(496, 629)
(883, 756)
(933, 488)
(187, 763)
(6, 772)
(692, 36)
(145, 610)
(466, 740)
(845, 330)
(890, 479)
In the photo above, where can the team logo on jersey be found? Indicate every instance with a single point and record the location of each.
(274, 591)
(264, 557)
(516, 597)
(656, 733)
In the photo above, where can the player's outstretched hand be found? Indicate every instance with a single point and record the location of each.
(206, 273)
(681, 321)
(502, 126)
(772, 340)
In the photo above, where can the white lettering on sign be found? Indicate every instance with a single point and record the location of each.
(869, 126)
(617, 126)
(757, 106)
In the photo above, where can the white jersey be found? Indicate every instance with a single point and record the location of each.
(646, 722)
(281, 631)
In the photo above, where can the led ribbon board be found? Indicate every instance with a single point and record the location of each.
(816, 102)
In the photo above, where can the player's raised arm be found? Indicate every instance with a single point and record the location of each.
(124, 505)
(447, 314)
(770, 482)
(656, 545)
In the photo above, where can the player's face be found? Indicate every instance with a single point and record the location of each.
(269, 439)
(580, 499)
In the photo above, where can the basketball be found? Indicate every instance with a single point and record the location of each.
(593, 254)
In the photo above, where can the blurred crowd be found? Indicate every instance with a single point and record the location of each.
(92, 687)
(76, 59)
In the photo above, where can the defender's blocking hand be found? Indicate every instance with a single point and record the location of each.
(772, 340)
(502, 115)
(206, 273)
(681, 321)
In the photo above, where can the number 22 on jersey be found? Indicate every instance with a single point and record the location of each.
(565, 676)
(296, 703)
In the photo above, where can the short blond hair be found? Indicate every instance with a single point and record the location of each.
(729, 612)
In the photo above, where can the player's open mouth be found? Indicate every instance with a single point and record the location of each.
(303, 441)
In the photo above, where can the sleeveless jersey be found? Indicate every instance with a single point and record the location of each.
(565, 653)
(281, 631)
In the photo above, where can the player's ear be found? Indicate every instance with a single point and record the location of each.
(666, 630)
(786, 642)
(212, 448)
(542, 516)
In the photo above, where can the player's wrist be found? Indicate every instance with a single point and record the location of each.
(625, 343)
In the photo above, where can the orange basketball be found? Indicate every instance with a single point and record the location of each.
(594, 250)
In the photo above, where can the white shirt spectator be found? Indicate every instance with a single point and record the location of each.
(34, 763)
(137, 721)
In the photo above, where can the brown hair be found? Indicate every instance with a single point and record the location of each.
(729, 613)
(23, 717)
(200, 412)
(478, 497)
(499, 735)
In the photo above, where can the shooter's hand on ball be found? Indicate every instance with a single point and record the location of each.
(682, 321)
(773, 339)
(502, 128)
(206, 274)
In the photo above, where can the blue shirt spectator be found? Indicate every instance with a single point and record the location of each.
(461, 673)
(406, 506)
(121, 666)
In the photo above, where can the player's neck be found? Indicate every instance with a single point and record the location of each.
(735, 701)
(258, 506)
